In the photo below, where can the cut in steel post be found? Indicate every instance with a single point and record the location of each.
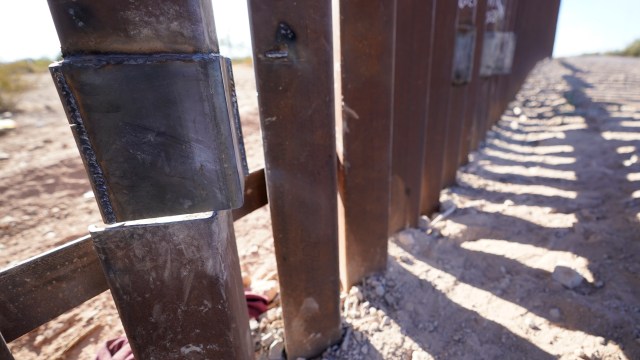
(293, 57)
(158, 132)
(367, 45)
(413, 52)
(439, 97)
(176, 282)
(462, 74)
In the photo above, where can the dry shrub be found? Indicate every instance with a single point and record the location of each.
(12, 82)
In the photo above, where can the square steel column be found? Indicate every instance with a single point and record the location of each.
(293, 57)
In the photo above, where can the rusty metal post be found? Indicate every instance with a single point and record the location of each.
(5, 353)
(494, 22)
(293, 57)
(413, 53)
(468, 129)
(177, 285)
(463, 59)
(367, 51)
(439, 96)
(153, 112)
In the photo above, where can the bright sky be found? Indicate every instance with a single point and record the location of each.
(588, 26)
(585, 26)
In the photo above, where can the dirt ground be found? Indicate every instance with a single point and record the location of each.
(537, 259)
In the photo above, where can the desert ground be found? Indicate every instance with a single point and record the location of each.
(537, 258)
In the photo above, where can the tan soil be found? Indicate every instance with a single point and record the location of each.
(558, 185)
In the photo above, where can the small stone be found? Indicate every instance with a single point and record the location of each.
(386, 321)
(531, 324)
(267, 339)
(4, 156)
(517, 111)
(373, 311)
(566, 276)
(599, 284)
(554, 313)
(275, 350)
(601, 340)
(345, 342)
(253, 324)
(424, 222)
(364, 349)
(406, 238)
(379, 290)
(355, 291)
(420, 355)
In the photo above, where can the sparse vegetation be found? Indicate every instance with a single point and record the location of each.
(632, 50)
(12, 82)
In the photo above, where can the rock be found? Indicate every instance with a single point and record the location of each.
(386, 321)
(517, 111)
(355, 291)
(420, 355)
(276, 350)
(364, 349)
(555, 313)
(424, 222)
(599, 284)
(267, 339)
(6, 115)
(531, 324)
(379, 290)
(4, 155)
(601, 340)
(7, 125)
(406, 238)
(567, 276)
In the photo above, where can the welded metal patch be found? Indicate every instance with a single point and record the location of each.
(463, 56)
(159, 135)
(497, 53)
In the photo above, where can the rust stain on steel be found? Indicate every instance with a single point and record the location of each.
(153, 142)
(413, 53)
(293, 57)
(176, 283)
(439, 104)
(367, 45)
(468, 127)
(134, 27)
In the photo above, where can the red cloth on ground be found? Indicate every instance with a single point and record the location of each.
(116, 349)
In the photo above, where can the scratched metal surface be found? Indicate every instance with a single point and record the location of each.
(154, 142)
(177, 286)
